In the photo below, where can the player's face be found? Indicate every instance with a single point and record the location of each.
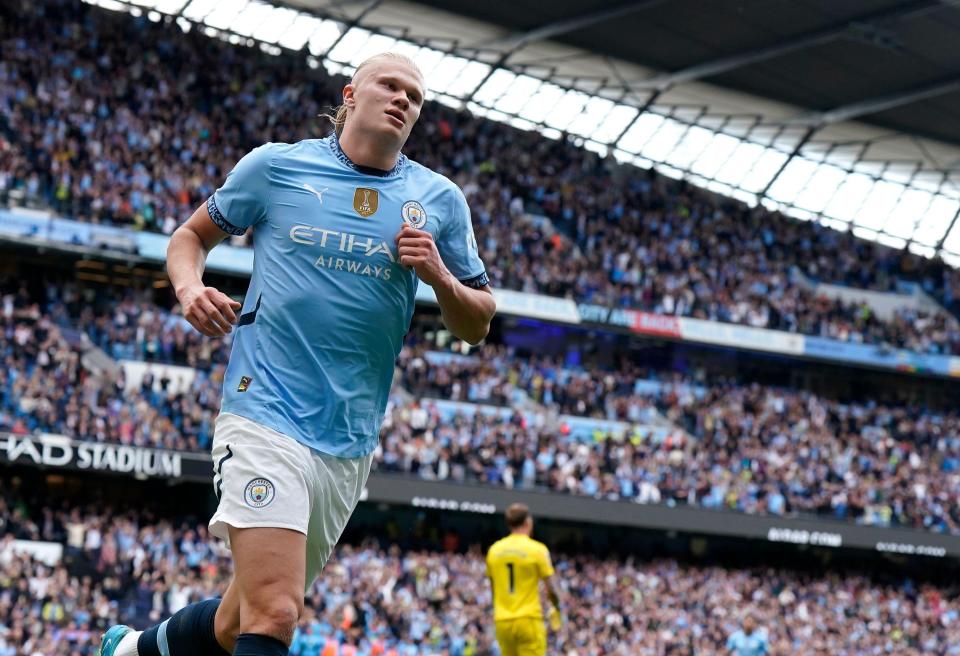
(386, 100)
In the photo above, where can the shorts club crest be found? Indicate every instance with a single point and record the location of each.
(259, 493)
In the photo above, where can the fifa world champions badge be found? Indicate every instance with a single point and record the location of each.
(366, 201)
(413, 214)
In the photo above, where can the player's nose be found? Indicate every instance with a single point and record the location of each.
(401, 101)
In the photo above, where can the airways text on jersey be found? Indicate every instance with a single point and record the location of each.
(345, 251)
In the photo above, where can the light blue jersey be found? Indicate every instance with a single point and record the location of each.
(328, 302)
(741, 644)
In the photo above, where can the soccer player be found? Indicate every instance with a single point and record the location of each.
(344, 228)
(516, 564)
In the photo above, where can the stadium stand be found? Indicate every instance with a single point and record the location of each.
(381, 600)
(620, 237)
(750, 448)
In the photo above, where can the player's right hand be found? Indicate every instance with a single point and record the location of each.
(555, 619)
(209, 310)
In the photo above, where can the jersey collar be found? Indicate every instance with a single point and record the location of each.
(366, 170)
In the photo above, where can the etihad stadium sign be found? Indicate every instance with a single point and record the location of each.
(61, 451)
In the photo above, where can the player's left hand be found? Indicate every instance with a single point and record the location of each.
(555, 619)
(418, 250)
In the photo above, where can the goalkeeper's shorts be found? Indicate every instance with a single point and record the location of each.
(524, 636)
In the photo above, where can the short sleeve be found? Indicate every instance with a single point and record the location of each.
(242, 200)
(545, 565)
(458, 245)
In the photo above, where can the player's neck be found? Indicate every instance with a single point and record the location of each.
(364, 151)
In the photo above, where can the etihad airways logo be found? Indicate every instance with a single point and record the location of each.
(347, 243)
(344, 242)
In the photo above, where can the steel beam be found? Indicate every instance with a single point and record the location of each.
(514, 42)
(810, 39)
(370, 6)
(879, 104)
(946, 233)
(783, 167)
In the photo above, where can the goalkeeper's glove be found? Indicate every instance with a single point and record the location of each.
(554, 618)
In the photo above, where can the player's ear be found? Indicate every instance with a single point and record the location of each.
(348, 98)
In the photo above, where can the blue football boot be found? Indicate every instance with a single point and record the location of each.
(111, 639)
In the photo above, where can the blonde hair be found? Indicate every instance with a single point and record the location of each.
(339, 116)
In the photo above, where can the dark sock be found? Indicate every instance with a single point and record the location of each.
(189, 631)
(252, 644)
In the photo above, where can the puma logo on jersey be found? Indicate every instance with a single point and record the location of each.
(318, 194)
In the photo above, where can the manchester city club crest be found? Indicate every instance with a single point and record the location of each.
(366, 201)
(259, 493)
(413, 214)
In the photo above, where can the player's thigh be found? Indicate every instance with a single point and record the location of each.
(269, 565)
(507, 637)
(338, 485)
(531, 637)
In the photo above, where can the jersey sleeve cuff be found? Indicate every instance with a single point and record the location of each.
(221, 220)
(476, 282)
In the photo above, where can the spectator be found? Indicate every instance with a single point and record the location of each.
(748, 641)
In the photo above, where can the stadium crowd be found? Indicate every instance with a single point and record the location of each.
(43, 385)
(109, 118)
(384, 600)
(750, 448)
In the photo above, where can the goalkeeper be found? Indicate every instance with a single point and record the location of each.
(516, 564)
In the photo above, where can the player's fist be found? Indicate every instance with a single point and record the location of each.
(418, 250)
(554, 618)
(209, 310)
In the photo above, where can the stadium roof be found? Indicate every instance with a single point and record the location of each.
(888, 62)
(840, 112)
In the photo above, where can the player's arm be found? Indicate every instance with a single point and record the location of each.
(208, 310)
(466, 311)
(552, 592)
(452, 266)
(231, 210)
(555, 614)
(493, 595)
(546, 572)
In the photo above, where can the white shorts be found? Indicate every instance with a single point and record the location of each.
(264, 479)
